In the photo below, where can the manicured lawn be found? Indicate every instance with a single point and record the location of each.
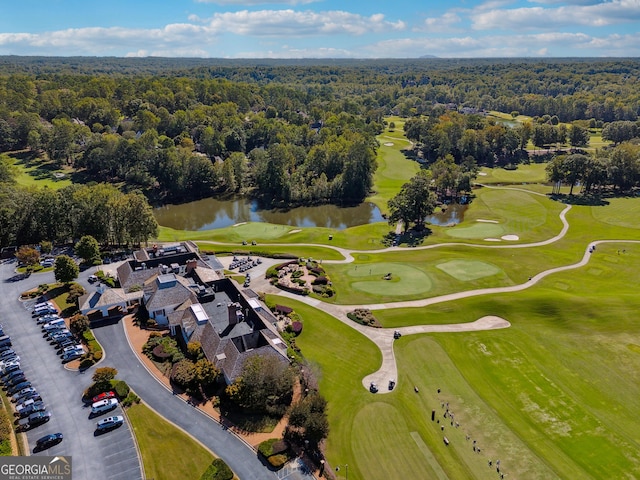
(167, 452)
(394, 168)
(39, 172)
(531, 173)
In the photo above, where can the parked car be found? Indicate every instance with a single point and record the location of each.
(73, 355)
(93, 279)
(109, 423)
(48, 441)
(12, 390)
(21, 393)
(33, 408)
(59, 334)
(33, 395)
(6, 377)
(17, 380)
(103, 396)
(8, 352)
(50, 317)
(20, 406)
(44, 311)
(34, 420)
(66, 342)
(4, 364)
(9, 367)
(104, 406)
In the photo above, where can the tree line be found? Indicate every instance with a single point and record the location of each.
(31, 216)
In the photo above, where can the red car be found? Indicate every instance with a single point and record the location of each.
(103, 396)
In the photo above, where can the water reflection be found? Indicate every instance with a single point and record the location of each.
(211, 213)
(449, 215)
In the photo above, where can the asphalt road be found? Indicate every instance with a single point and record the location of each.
(242, 460)
(61, 390)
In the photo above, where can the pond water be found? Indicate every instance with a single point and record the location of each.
(210, 213)
(451, 214)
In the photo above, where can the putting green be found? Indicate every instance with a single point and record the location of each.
(467, 270)
(405, 280)
(477, 230)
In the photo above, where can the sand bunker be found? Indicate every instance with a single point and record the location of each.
(388, 144)
(510, 237)
(492, 240)
(482, 174)
(486, 221)
(238, 224)
(295, 231)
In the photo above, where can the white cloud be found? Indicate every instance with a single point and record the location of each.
(444, 23)
(594, 15)
(533, 45)
(300, 23)
(247, 3)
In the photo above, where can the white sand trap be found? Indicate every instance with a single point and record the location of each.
(512, 238)
(482, 174)
(486, 221)
(492, 240)
(295, 231)
(388, 144)
(238, 224)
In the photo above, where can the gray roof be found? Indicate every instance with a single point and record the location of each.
(158, 298)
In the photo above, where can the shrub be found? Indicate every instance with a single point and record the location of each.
(218, 470)
(297, 274)
(121, 388)
(322, 280)
(272, 446)
(97, 356)
(296, 327)
(277, 461)
(316, 271)
(79, 323)
(86, 362)
(130, 400)
(159, 352)
(183, 373)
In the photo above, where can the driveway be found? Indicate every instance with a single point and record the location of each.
(61, 391)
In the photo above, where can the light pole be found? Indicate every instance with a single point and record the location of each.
(346, 470)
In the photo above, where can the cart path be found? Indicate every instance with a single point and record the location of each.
(383, 337)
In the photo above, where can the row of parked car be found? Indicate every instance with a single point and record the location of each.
(102, 403)
(30, 409)
(244, 264)
(56, 331)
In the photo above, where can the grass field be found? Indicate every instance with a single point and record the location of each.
(167, 452)
(38, 172)
(394, 168)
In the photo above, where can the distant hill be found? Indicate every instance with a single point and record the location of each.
(428, 56)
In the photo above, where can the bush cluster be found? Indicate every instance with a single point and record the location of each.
(275, 451)
(218, 470)
(364, 316)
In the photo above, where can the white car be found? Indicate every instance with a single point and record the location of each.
(104, 405)
(110, 422)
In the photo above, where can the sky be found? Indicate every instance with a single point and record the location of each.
(321, 28)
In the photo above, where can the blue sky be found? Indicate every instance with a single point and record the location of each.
(321, 28)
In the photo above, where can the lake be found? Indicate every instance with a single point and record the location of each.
(210, 213)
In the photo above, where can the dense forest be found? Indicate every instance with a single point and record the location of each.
(300, 131)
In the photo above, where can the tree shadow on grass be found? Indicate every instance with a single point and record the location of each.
(414, 237)
(585, 200)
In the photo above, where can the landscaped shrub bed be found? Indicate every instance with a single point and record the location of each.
(275, 451)
(363, 316)
(218, 470)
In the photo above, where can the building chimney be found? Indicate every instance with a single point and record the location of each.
(191, 265)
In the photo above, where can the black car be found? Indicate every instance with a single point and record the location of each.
(10, 369)
(16, 380)
(48, 441)
(39, 418)
(21, 393)
(16, 388)
(7, 353)
(11, 374)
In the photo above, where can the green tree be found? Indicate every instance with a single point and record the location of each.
(79, 324)
(205, 372)
(414, 201)
(265, 385)
(87, 249)
(102, 377)
(309, 415)
(65, 269)
(578, 136)
(183, 373)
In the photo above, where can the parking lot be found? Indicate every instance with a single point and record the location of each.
(111, 455)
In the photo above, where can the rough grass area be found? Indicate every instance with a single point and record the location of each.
(156, 437)
(530, 173)
(38, 172)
